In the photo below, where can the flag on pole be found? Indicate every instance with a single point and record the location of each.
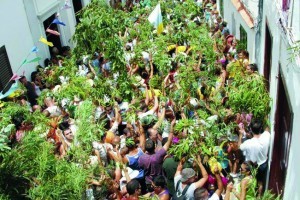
(33, 60)
(45, 41)
(52, 32)
(56, 21)
(34, 49)
(14, 77)
(155, 18)
(24, 61)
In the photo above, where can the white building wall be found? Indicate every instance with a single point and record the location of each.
(234, 20)
(15, 34)
(251, 5)
(22, 26)
(291, 74)
(290, 71)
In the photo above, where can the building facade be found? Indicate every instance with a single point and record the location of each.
(275, 30)
(23, 23)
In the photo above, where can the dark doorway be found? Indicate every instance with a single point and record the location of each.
(77, 4)
(282, 139)
(268, 56)
(50, 37)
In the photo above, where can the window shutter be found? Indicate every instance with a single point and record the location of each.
(5, 70)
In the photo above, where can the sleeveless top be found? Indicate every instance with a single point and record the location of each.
(133, 162)
(251, 188)
(159, 195)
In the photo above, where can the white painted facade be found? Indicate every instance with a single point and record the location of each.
(235, 20)
(291, 74)
(290, 70)
(22, 26)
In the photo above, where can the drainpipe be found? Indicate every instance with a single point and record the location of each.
(258, 35)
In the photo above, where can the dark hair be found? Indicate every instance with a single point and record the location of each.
(130, 144)
(144, 75)
(256, 126)
(132, 186)
(253, 67)
(249, 165)
(245, 53)
(46, 62)
(64, 126)
(150, 146)
(198, 193)
(224, 24)
(160, 181)
(164, 141)
(18, 120)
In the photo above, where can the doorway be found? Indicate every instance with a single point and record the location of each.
(282, 138)
(50, 37)
(77, 5)
(268, 57)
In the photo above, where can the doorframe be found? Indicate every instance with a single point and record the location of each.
(267, 29)
(290, 107)
(290, 128)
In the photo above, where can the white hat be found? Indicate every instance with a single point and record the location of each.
(132, 174)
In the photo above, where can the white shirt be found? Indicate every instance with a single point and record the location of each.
(254, 151)
(189, 195)
(102, 150)
(265, 141)
(114, 127)
(54, 111)
(150, 112)
(214, 197)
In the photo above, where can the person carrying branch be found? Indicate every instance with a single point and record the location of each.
(185, 180)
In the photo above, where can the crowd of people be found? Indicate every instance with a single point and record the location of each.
(138, 151)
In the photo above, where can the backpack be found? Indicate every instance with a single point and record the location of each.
(180, 195)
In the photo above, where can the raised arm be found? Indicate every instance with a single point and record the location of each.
(117, 114)
(151, 66)
(204, 178)
(179, 167)
(228, 191)
(219, 182)
(147, 99)
(155, 107)
(142, 137)
(170, 138)
(92, 68)
(160, 120)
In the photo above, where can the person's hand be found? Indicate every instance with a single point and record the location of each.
(241, 132)
(115, 186)
(173, 122)
(205, 160)
(216, 170)
(229, 187)
(182, 161)
(198, 159)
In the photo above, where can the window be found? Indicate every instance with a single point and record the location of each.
(221, 8)
(5, 70)
(243, 38)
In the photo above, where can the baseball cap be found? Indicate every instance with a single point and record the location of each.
(187, 173)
